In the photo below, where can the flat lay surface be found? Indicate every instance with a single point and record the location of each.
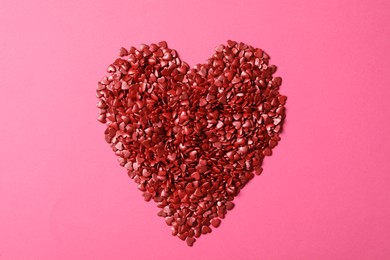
(323, 194)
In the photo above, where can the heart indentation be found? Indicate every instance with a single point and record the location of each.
(191, 138)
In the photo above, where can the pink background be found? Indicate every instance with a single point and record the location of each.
(324, 193)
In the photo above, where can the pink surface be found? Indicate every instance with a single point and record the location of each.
(324, 193)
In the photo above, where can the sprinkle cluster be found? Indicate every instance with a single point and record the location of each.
(191, 138)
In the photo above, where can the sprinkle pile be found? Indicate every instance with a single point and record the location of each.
(191, 138)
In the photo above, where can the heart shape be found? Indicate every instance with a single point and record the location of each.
(191, 138)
